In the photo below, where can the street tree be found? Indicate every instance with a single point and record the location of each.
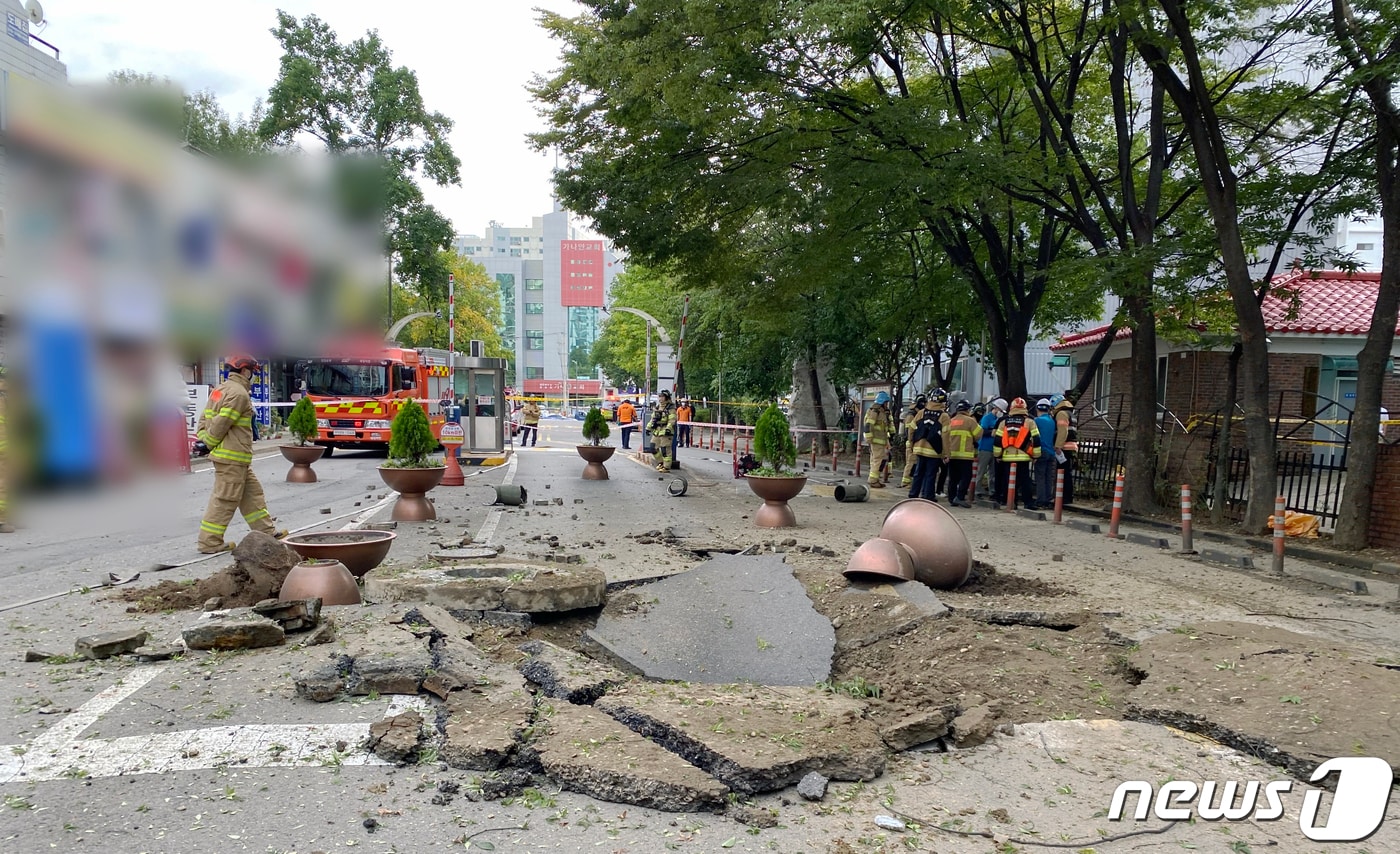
(1365, 35)
(1182, 47)
(196, 119)
(352, 100)
(728, 123)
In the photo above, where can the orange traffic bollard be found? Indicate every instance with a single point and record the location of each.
(1011, 490)
(1117, 507)
(1186, 518)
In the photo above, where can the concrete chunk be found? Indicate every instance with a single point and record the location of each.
(234, 631)
(588, 752)
(326, 682)
(750, 737)
(918, 728)
(567, 675)
(485, 725)
(396, 739)
(296, 616)
(108, 644)
(812, 787)
(385, 673)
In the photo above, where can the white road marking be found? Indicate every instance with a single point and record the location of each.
(488, 528)
(60, 754)
(253, 746)
(363, 518)
(87, 714)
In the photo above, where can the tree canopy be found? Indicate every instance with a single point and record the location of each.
(351, 99)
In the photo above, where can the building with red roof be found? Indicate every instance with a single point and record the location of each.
(1316, 322)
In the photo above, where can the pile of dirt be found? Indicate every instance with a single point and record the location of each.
(235, 585)
(260, 565)
(1026, 672)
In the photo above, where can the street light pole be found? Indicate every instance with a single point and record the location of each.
(720, 338)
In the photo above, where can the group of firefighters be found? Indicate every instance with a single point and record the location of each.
(942, 449)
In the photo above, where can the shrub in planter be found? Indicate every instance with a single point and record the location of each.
(595, 426)
(411, 439)
(773, 445)
(301, 423)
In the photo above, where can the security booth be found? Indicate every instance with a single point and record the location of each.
(484, 409)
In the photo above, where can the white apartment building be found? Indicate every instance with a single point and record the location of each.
(554, 285)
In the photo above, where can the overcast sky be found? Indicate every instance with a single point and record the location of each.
(473, 59)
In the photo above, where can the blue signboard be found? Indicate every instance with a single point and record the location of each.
(1351, 395)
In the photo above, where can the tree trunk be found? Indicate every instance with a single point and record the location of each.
(1139, 486)
(1011, 378)
(1353, 526)
(1203, 125)
(1220, 489)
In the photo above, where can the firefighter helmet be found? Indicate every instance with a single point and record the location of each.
(1018, 406)
(239, 361)
(963, 406)
(882, 398)
(938, 395)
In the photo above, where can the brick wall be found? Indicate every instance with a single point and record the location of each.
(1385, 502)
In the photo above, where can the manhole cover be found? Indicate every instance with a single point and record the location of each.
(476, 553)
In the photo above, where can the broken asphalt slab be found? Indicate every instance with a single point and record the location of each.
(566, 675)
(731, 619)
(753, 738)
(1293, 700)
(588, 752)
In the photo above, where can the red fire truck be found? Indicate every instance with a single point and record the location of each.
(358, 396)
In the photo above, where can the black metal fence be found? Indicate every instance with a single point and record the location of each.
(1308, 481)
(1312, 432)
(1096, 467)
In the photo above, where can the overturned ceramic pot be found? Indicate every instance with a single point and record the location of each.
(880, 559)
(942, 554)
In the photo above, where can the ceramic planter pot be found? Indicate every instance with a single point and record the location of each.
(776, 492)
(595, 456)
(359, 551)
(301, 457)
(327, 580)
(412, 484)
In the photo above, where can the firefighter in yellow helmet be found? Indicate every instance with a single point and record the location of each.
(225, 433)
(1017, 443)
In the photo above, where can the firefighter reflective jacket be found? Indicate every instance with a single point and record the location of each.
(928, 435)
(1017, 440)
(877, 425)
(960, 437)
(227, 425)
(663, 421)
